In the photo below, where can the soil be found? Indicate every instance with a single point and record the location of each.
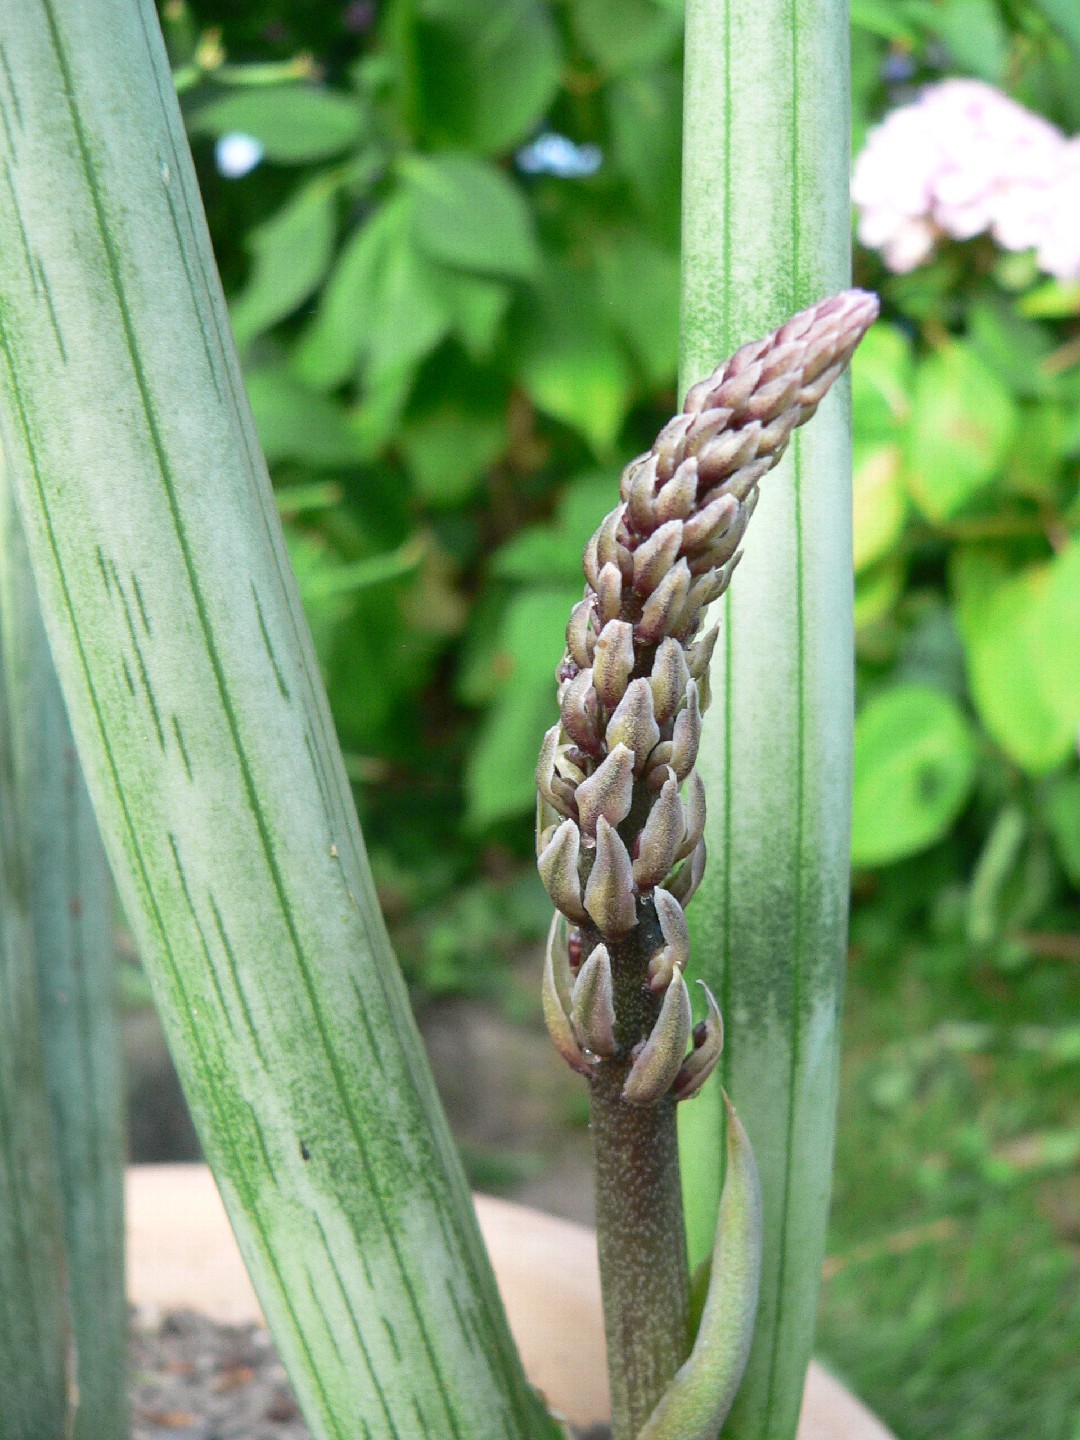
(192, 1379)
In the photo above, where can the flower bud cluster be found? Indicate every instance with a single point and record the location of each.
(963, 159)
(621, 813)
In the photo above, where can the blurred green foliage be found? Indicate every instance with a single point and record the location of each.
(454, 279)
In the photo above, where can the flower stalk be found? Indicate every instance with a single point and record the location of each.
(621, 812)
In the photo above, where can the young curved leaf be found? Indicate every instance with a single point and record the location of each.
(766, 230)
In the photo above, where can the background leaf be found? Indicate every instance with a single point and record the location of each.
(915, 763)
(290, 255)
(294, 124)
(466, 213)
(963, 422)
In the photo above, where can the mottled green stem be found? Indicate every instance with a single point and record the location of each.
(35, 1333)
(206, 739)
(69, 899)
(766, 229)
(639, 1217)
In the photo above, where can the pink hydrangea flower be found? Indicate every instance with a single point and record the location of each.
(962, 160)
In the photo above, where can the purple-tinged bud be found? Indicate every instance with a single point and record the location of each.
(609, 549)
(677, 498)
(668, 679)
(609, 894)
(707, 525)
(695, 815)
(631, 471)
(553, 788)
(668, 448)
(686, 736)
(703, 591)
(708, 1037)
(581, 633)
(613, 661)
(659, 766)
(658, 1061)
(777, 433)
(558, 866)
(782, 359)
(773, 398)
(743, 480)
(664, 604)
(727, 453)
(639, 493)
(676, 949)
(687, 878)
(699, 656)
(609, 592)
(579, 707)
(608, 791)
(592, 1005)
(737, 388)
(745, 356)
(658, 843)
(721, 548)
(654, 558)
(590, 562)
(554, 997)
(710, 423)
(633, 724)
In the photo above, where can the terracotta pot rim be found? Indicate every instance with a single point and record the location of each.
(181, 1254)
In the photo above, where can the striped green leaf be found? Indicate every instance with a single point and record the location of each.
(766, 232)
(35, 1334)
(207, 744)
(69, 899)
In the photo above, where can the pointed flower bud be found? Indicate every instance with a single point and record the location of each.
(686, 881)
(668, 679)
(676, 950)
(708, 1038)
(703, 528)
(661, 834)
(659, 1059)
(686, 736)
(654, 558)
(695, 814)
(613, 661)
(634, 724)
(581, 634)
(592, 1005)
(678, 497)
(638, 489)
(609, 549)
(558, 866)
(554, 995)
(700, 654)
(554, 789)
(609, 894)
(662, 607)
(703, 591)
(609, 592)
(608, 791)
(580, 710)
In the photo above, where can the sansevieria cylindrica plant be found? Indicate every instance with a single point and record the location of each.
(621, 851)
(204, 732)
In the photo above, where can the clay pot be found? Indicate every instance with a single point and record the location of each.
(181, 1255)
